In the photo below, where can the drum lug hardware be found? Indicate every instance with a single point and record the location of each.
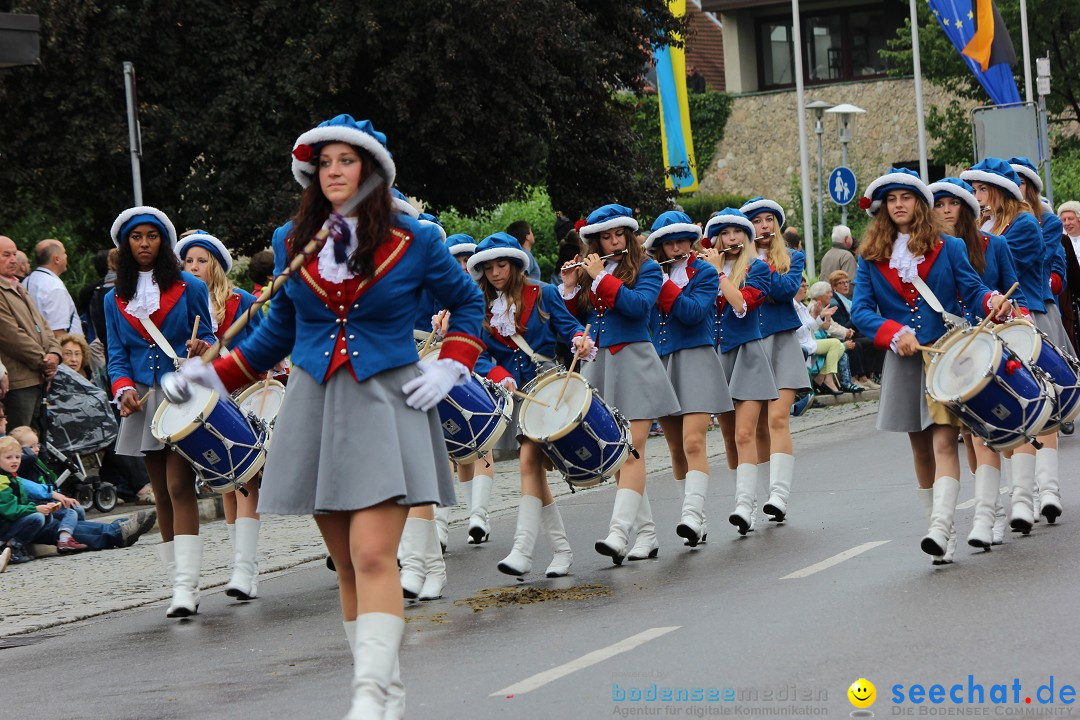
(1035, 443)
(634, 452)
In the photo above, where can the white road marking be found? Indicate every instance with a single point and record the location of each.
(834, 560)
(548, 676)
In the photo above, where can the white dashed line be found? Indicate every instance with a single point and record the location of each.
(834, 560)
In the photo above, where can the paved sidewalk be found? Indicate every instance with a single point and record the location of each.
(62, 589)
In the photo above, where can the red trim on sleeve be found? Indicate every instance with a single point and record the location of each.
(498, 373)
(754, 298)
(608, 289)
(1055, 283)
(1023, 311)
(122, 382)
(234, 371)
(668, 294)
(885, 334)
(461, 347)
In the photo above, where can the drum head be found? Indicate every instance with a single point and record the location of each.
(1021, 337)
(176, 420)
(262, 400)
(957, 376)
(552, 422)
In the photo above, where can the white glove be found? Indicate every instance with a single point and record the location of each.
(203, 374)
(509, 383)
(426, 391)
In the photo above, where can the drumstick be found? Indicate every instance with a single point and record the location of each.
(530, 398)
(427, 343)
(573, 364)
(262, 398)
(144, 398)
(194, 333)
(927, 348)
(986, 320)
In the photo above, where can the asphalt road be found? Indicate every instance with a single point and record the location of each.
(744, 626)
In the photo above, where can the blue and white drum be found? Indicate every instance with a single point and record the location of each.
(585, 439)
(990, 389)
(262, 401)
(214, 435)
(1061, 369)
(473, 416)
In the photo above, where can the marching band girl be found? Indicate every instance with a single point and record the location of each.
(744, 283)
(153, 295)
(524, 321)
(346, 316)
(902, 245)
(682, 332)
(207, 258)
(957, 209)
(779, 323)
(1006, 213)
(616, 289)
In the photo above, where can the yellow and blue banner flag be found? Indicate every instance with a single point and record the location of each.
(677, 140)
(976, 30)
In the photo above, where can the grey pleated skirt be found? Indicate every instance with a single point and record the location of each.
(633, 380)
(904, 405)
(787, 360)
(698, 381)
(134, 437)
(749, 373)
(346, 445)
(1050, 323)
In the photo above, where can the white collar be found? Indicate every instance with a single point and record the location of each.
(329, 268)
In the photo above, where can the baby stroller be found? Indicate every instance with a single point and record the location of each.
(77, 425)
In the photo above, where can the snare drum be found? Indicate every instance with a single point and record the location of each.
(474, 415)
(214, 435)
(1034, 347)
(263, 401)
(585, 439)
(989, 389)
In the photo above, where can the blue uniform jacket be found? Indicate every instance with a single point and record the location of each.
(883, 304)
(547, 322)
(732, 330)
(620, 313)
(685, 317)
(371, 328)
(133, 354)
(1054, 258)
(777, 312)
(1000, 274)
(238, 304)
(1028, 250)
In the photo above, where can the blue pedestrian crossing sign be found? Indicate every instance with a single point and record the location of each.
(842, 185)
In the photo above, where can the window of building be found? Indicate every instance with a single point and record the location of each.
(838, 45)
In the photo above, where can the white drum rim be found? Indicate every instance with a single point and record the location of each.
(183, 432)
(598, 480)
(935, 365)
(1036, 347)
(576, 417)
(261, 385)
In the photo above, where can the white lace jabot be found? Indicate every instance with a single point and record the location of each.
(503, 316)
(902, 261)
(677, 274)
(329, 268)
(147, 298)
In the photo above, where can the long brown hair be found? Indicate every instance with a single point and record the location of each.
(966, 230)
(925, 231)
(373, 219)
(515, 290)
(627, 270)
(1034, 200)
(1004, 208)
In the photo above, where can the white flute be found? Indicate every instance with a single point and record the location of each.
(602, 257)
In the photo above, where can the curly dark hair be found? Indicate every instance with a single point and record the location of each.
(166, 268)
(373, 214)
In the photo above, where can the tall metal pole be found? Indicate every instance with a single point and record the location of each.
(924, 171)
(1028, 96)
(804, 153)
(134, 139)
(1043, 81)
(843, 161)
(820, 207)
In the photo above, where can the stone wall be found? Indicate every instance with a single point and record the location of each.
(760, 150)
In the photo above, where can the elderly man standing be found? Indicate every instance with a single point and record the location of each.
(22, 265)
(1069, 301)
(47, 289)
(839, 256)
(28, 349)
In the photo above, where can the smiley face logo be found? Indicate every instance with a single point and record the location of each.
(862, 693)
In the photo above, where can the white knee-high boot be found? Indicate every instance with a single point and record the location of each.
(623, 513)
(413, 543)
(188, 552)
(645, 544)
(1022, 471)
(442, 525)
(479, 524)
(987, 481)
(519, 561)
(692, 525)
(168, 559)
(1046, 477)
(936, 541)
(434, 565)
(742, 517)
(244, 583)
(375, 655)
(551, 520)
(781, 470)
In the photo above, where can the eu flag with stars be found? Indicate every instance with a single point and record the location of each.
(976, 30)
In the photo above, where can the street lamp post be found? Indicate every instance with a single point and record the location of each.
(819, 107)
(845, 114)
(1042, 65)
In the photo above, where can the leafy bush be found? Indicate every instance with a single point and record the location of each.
(708, 117)
(1066, 171)
(37, 225)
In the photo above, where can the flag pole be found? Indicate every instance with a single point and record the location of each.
(924, 171)
(1028, 96)
(804, 152)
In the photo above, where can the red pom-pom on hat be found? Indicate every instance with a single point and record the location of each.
(864, 203)
(580, 224)
(303, 153)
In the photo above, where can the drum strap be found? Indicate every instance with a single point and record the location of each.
(524, 346)
(932, 300)
(153, 331)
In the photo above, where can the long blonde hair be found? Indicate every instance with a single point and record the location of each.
(220, 289)
(744, 259)
(1004, 208)
(777, 255)
(627, 270)
(1034, 201)
(925, 229)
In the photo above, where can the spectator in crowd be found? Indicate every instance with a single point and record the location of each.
(824, 309)
(825, 382)
(695, 81)
(839, 256)
(28, 350)
(792, 238)
(23, 267)
(1069, 214)
(866, 359)
(522, 232)
(47, 290)
(563, 227)
(3, 421)
(86, 294)
(261, 270)
(3, 382)
(29, 468)
(76, 354)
